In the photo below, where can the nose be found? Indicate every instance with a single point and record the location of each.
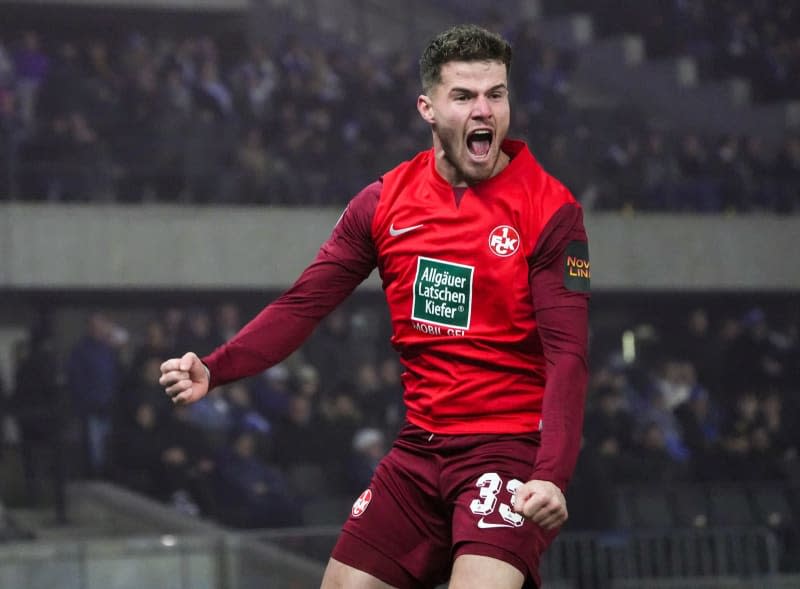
(481, 108)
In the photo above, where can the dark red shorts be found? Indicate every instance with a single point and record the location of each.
(435, 497)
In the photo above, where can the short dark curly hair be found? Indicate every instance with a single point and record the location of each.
(461, 43)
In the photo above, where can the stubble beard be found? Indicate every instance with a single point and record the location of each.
(465, 170)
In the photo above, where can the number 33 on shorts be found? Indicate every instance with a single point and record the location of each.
(490, 485)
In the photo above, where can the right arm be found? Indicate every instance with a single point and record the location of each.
(342, 263)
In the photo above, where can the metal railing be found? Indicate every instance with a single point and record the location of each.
(601, 560)
(669, 559)
(132, 542)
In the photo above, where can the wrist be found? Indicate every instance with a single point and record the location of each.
(559, 481)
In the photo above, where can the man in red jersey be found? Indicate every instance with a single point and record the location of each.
(484, 262)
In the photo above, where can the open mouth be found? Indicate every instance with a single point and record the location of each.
(479, 142)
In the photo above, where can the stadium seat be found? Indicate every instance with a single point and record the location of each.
(771, 505)
(730, 506)
(623, 512)
(651, 507)
(690, 504)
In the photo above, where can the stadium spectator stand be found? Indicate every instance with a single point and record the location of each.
(705, 409)
(752, 40)
(160, 117)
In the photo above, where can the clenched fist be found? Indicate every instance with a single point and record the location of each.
(185, 379)
(542, 502)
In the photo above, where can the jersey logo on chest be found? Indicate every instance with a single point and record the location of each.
(397, 231)
(504, 241)
(442, 293)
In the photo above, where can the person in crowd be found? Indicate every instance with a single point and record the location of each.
(369, 446)
(12, 136)
(242, 414)
(296, 438)
(327, 348)
(138, 439)
(609, 424)
(94, 374)
(253, 493)
(698, 345)
(37, 405)
(742, 437)
(197, 332)
(779, 418)
(753, 360)
(272, 390)
(698, 419)
(227, 321)
(652, 460)
(31, 66)
(153, 345)
(187, 464)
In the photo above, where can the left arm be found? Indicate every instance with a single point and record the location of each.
(559, 277)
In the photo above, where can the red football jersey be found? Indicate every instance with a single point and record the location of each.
(488, 295)
(456, 277)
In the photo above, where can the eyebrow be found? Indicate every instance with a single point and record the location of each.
(469, 91)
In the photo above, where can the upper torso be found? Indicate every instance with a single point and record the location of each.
(463, 279)
(456, 273)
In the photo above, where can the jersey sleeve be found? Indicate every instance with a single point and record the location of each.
(342, 263)
(559, 278)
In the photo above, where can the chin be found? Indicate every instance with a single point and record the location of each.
(477, 177)
(478, 172)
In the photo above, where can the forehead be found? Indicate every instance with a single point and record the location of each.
(473, 75)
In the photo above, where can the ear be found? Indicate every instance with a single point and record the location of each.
(425, 108)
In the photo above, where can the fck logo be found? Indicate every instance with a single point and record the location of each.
(503, 241)
(361, 504)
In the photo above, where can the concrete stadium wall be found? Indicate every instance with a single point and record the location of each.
(95, 247)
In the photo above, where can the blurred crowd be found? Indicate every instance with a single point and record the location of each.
(756, 40)
(700, 398)
(251, 454)
(705, 397)
(167, 119)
